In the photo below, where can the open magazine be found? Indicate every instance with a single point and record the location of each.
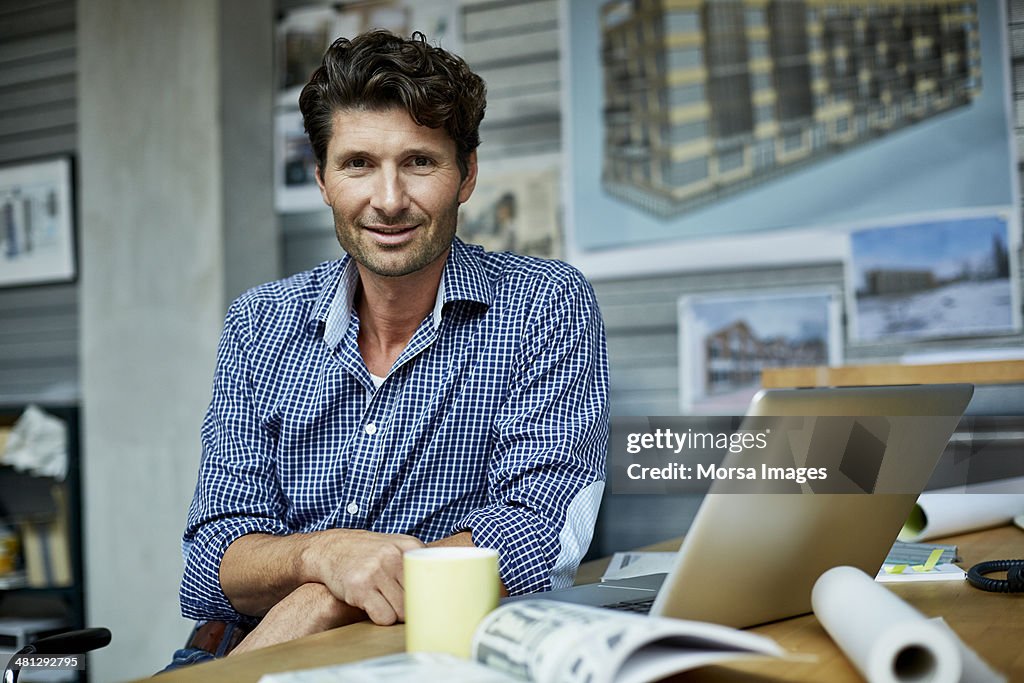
(553, 642)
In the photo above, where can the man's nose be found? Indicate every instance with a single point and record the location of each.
(389, 194)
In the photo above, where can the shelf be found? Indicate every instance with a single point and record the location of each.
(13, 581)
(64, 591)
(985, 372)
(48, 515)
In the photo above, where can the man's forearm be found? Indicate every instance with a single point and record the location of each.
(360, 568)
(464, 539)
(309, 609)
(259, 570)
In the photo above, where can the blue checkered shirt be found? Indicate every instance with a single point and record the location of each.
(494, 419)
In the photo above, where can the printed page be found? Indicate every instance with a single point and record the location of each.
(658, 660)
(547, 641)
(528, 639)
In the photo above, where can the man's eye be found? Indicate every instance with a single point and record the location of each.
(421, 161)
(357, 163)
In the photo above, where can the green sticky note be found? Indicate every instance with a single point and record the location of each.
(929, 564)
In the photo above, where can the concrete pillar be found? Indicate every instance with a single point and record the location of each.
(176, 219)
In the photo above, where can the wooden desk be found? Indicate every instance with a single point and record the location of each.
(993, 624)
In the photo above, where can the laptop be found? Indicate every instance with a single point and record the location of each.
(752, 558)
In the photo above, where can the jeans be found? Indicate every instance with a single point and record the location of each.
(187, 655)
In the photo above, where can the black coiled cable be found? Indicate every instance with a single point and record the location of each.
(1014, 582)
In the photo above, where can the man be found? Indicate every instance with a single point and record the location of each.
(418, 391)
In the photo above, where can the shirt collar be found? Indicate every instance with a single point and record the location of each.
(463, 279)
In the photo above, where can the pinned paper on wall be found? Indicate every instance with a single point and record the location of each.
(516, 207)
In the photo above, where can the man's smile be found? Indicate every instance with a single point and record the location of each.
(392, 235)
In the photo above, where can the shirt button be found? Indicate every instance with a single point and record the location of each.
(371, 428)
(352, 508)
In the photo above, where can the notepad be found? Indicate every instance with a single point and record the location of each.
(940, 572)
(918, 553)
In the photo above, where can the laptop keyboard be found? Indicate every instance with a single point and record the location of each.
(639, 606)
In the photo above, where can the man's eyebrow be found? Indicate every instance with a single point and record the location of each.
(422, 152)
(342, 154)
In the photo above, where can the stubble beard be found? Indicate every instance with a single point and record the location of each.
(404, 259)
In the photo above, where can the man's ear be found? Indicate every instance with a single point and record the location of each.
(320, 184)
(469, 182)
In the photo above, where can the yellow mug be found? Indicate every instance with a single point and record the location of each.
(448, 590)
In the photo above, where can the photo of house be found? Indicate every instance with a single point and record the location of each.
(727, 340)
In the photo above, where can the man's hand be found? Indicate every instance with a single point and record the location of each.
(362, 569)
(307, 583)
(309, 609)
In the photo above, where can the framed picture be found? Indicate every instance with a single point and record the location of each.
(950, 276)
(36, 223)
(725, 340)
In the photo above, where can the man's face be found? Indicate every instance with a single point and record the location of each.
(395, 188)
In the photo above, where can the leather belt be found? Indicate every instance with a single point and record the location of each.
(218, 637)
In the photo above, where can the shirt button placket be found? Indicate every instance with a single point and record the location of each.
(353, 508)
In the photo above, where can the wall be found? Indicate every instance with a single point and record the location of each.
(176, 219)
(38, 110)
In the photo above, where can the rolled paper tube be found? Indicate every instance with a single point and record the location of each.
(886, 639)
(942, 514)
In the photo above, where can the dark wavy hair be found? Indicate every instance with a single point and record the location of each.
(379, 70)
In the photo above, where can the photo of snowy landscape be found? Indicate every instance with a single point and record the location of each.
(948, 278)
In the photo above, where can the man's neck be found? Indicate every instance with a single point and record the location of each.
(391, 309)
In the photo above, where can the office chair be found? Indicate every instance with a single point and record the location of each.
(70, 643)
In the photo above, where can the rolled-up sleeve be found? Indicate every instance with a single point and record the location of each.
(237, 491)
(547, 472)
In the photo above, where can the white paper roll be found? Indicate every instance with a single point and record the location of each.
(975, 669)
(943, 514)
(886, 639)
